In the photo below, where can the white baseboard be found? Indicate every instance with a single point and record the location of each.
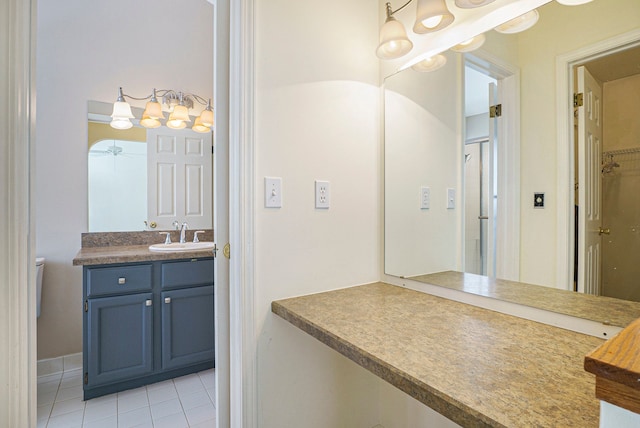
(65, 363)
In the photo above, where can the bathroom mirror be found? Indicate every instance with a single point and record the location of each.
(425, 158)
(146, 179)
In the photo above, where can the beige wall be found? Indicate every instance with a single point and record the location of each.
(85, 51)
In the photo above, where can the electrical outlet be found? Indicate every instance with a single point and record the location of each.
(425, 198)
(273, 192)
(538, 200)
(323, 194)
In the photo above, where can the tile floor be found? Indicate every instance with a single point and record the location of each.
(182, 402)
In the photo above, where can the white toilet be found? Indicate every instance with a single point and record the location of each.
(39, 271)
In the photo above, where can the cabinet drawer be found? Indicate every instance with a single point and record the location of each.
(185, 273)
(120, 279)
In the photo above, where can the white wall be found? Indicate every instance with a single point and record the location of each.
(85, 50)
(317, 117)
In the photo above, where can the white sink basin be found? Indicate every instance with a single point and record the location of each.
(176, 246)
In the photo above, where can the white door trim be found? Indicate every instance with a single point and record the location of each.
(17, 258)
(565, 151)
(244, 401)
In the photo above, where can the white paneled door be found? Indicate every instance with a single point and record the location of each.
(179, 186)
(589, 183)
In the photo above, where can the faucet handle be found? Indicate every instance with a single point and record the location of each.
(167, 239)
(195, 235)
(176, 224)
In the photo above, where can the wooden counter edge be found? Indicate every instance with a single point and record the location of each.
(616, 364)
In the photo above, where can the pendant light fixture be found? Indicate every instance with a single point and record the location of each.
(470, 4)
(394, 42)
(430, 64)
(432, 15)
(519, 24)
(470, 45)
(179, 104)
(573, 2)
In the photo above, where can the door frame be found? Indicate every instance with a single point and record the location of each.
(565, 147)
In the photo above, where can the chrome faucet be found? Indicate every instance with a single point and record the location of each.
(183, 230)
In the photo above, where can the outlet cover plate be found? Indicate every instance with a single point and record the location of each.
(425, 198)
(323, 194)
(538, 200)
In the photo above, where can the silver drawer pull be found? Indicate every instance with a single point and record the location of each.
(148, 302)
(167, 299)
(122, 280)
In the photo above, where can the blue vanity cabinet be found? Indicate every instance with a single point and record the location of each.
(146, 322)
(120, 333)
(187, 312)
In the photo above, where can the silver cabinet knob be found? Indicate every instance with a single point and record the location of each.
(148, 302)
(122, 280)
(167, 299)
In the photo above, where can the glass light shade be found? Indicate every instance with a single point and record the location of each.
(123, 123)
(430, 64)
(149, 122)
(470, 4)
(176, 124)
(519, 24)
(394, 42)
(121, 110)
(432, 15)
(153, 110)
(471, 44)
(573, 2)
(198, 126)
(206, 118)
(180, 113)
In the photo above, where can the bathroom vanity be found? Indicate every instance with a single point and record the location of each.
(477, 367)
(147, 316)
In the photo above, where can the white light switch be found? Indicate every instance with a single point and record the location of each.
(425, 198)
(323, 194)
(451, 198)
(273, 192)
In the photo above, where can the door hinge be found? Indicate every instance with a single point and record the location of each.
(86, 306)
(578, 99)
(86, 378)
(495, 111)
(226, 251)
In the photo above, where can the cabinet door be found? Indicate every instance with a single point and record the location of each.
(187, 327)
(120, 338)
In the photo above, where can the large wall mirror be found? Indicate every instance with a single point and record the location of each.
(146, 179)
(465, 192)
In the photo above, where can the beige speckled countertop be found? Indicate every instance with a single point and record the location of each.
(129, 254)
(475, 366)
(99, 248)
(602, 309)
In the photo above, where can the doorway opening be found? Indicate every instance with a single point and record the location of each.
(607, 172)
(479, 172)
(491, 167)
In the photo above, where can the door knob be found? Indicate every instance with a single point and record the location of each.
(602, 231)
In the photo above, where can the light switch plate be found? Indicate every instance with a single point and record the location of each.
(451, 199)
(425, 198)
(273, 192)
(323, 194)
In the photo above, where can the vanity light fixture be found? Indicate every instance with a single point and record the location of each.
(470, 4)
(432, 15)
(394, 42)
(470, 45)
(430, 64)
(519, 24)
(573, 2)
(179, 104)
